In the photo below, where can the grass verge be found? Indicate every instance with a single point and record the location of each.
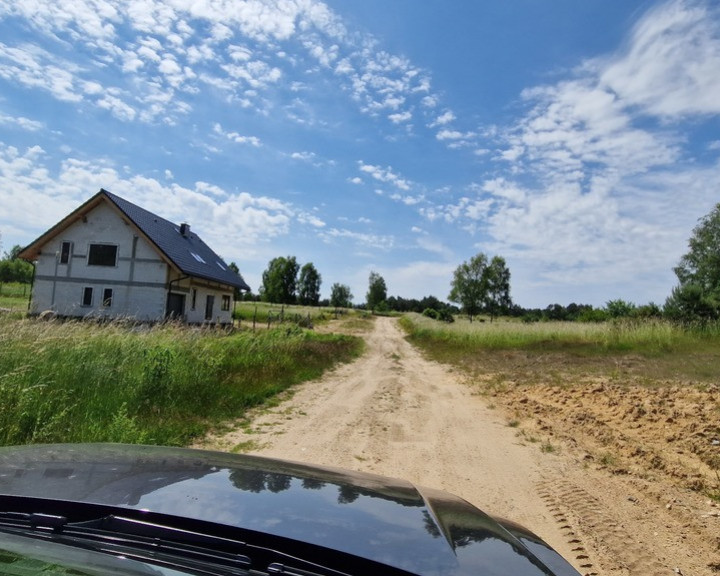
(82, 382)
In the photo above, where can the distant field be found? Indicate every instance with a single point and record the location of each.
(268, 314)
(14, 296)
(658, 349)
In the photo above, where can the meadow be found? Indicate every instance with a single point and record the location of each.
(652, 348)
(167, 384)
(259, 314)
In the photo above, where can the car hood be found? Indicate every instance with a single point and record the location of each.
(386, 520)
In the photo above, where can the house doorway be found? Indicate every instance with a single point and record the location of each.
(175, 305)
(209, 305)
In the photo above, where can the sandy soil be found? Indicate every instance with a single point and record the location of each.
(559, 464)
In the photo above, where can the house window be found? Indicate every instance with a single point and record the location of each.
(226, 302)
(65, 251)
(87, 296)
(193, 300)
(102, 255)
(107, 297)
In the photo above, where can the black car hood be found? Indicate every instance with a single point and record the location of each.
(385, 520)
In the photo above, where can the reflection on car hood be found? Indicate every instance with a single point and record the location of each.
(386, 520)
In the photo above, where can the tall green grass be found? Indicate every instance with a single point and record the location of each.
(661, 348)
(81, 382)
(14, 297)
(641, 336)
(268, 314)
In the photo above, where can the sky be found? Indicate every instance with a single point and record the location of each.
(580, 141)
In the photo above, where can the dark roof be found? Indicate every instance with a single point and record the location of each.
(186, 251)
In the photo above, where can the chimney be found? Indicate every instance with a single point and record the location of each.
(184, 229)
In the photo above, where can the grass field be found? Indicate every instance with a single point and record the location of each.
(14, 297)
(268, 314)
(83, 382)
(652, 348)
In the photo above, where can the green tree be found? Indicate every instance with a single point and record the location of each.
(237, 293)
(701, 265)
(497, 299)
(279, 281)
(480, 285)
(690, 303)
(468, 286)
(12, 269)
(377, 291)
(309, 285)
(698, 295)
(619, 308)
(14, 251)
(340, 296)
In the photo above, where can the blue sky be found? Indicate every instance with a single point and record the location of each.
(579, 140)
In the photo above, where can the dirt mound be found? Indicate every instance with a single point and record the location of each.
(667, 431)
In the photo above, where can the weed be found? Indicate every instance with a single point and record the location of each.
(608, 460)
(246, 446)
(547, 448)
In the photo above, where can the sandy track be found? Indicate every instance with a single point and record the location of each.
(393, 412)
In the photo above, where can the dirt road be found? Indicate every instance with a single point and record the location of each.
(393, 412)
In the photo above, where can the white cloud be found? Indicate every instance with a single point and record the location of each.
(374, 241)
(21, 122)
(407, 200)
(455, 138)
(161, 41)
(304, 156)
(236, 137)
(400, 117)
(310, 219)
(444, 118)
(36, 68)
(37, 197)
(117, 107)
(670, 67)
(384, 175)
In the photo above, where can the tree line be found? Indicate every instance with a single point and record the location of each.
(13, 269)
(482, 286)
(284, 281)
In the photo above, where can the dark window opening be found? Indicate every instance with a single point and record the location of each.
(226, 302)
(65, 250)
(107, 297)
(175, 305)
(102, 255)
(194, 299)
(209, 305)
(87, 296)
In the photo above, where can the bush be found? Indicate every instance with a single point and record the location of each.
(430, 313)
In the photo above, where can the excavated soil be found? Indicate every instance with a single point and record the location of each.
(620, 477)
